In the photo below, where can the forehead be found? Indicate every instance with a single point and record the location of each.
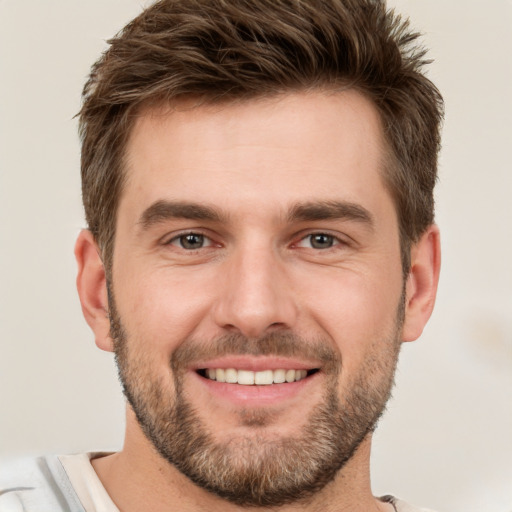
(263, 152)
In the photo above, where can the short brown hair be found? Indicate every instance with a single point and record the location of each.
(222, 50)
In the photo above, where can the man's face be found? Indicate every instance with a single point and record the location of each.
(257, 242)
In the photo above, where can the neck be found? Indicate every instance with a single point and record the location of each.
(138, 478)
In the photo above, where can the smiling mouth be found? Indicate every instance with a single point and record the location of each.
(251, 378)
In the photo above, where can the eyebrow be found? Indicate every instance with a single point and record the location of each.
(327, 210)
(162, 210)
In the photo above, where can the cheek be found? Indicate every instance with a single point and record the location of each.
(162, 308)
(357, 312)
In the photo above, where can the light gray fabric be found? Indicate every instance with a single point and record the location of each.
(402, 506)
(36, 485)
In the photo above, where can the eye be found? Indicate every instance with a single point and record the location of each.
(191, 241)
(318, 241)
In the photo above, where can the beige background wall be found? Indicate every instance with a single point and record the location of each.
(446, 441)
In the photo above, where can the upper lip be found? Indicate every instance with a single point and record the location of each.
(255, 363)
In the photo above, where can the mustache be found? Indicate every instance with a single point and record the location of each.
(280, 344)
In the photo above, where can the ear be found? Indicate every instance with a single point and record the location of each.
(92, 288)
(421, 286)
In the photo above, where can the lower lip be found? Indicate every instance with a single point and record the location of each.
(256, 396)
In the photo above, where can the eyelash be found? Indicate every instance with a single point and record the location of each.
(178, 241)
(334, 240)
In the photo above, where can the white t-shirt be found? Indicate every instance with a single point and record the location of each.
(53, 484)
(68, 483)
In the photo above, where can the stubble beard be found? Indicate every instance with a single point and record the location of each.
(259, 470)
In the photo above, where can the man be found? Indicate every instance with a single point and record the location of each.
(258, 186)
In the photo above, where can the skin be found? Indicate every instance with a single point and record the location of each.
(251, 162)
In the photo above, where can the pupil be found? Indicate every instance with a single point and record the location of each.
(192, 241)
(321, 241)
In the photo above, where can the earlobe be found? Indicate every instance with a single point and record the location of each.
(92, 288)
(421, 286)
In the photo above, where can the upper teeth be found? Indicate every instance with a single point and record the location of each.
(248, 378)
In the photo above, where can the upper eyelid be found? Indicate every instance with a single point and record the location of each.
(169, 237)
(340, 237)
(336, 240)
(174, 241)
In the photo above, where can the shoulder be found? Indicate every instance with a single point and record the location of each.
(36, 485)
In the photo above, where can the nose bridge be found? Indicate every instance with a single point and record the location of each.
(255, 295)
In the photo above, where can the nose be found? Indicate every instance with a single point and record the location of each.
(255, 295)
